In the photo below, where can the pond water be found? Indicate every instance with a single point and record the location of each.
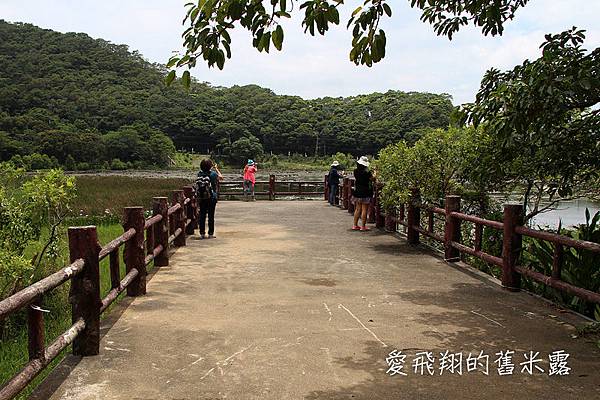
(568, 212)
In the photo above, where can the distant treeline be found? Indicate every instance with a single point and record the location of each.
(83, 103)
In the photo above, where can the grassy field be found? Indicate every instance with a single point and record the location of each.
(107, 195)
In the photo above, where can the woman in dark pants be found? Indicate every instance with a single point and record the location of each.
(363, 193)
(333, 181)
(208, 205)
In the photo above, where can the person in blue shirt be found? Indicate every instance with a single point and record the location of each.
(333, 181)
(208, 205)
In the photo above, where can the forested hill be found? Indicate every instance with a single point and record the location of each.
(87, 101)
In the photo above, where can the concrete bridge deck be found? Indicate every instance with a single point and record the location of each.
(289, 303)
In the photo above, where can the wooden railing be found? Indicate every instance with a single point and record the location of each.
(274, 188)
(512, 228)
(144, 241)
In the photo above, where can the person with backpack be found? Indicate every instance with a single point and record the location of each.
(362, 193)
(207, 195)
(249, 179)
(333, 181)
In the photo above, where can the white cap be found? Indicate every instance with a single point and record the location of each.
(335, 164)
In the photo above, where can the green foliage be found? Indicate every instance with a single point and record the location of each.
(34, 161)
(242, 149)
(540, 118)
(108, 195)
(346, 160)
(433, 165)
(27, 208)
(208, 23)
(579, 267)
(117, 92)
(141, 143)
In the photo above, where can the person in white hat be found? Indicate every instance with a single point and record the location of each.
(333, 181)
(362, 193)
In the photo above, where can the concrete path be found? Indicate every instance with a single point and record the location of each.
(288, 303)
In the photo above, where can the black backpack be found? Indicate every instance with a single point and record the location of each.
(203, 187)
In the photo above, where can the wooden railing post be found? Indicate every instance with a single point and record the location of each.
(271, 187)
(451, 229)
(414, 216)
(179, 218)
(160, 206)
(511, 246)
(133, 253)
(84, 294)
(190, 212)
(345, 191)
(35, 328)
(390, 219)
(326, 187)
(351, 205)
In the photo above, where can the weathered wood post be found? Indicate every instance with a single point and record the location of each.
(345, 191)
(326, 188)
(115, 270)
(149, 240)
(390, 219)
(133, 253)
(35, 330)
(451, 229)
(178, 217)
(511, 246)
(351, 204)
(414, 216)
(271, 187)
(557, 260)
(160, 206)
(84, 294)
(190, 212)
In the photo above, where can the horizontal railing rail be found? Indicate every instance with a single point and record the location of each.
(408, 215)
(304, 188)
(144, 241)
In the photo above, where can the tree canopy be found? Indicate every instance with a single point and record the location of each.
(83, 102)
(542, 118)
(208, 23)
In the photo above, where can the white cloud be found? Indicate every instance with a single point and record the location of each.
(416, 59)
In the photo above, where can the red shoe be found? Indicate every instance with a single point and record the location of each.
(356, 228)
(364, 228)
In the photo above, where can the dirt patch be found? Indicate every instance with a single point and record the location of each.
(319, 282)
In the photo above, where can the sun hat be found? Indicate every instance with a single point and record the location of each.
(335, 164)
(363, 160)
(250, 162)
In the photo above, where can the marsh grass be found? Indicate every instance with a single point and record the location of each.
(108, 195)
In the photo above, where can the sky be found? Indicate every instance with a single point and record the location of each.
(310, 67)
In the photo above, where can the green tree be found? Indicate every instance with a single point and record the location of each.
(29, 207)
(544, 132)
(208, 23)
(436, 165)
(243, 149)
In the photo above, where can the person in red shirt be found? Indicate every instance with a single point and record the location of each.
(249, 179)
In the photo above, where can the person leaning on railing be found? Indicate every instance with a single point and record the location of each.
(208, 202)
(333, 181)
(362, 193)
